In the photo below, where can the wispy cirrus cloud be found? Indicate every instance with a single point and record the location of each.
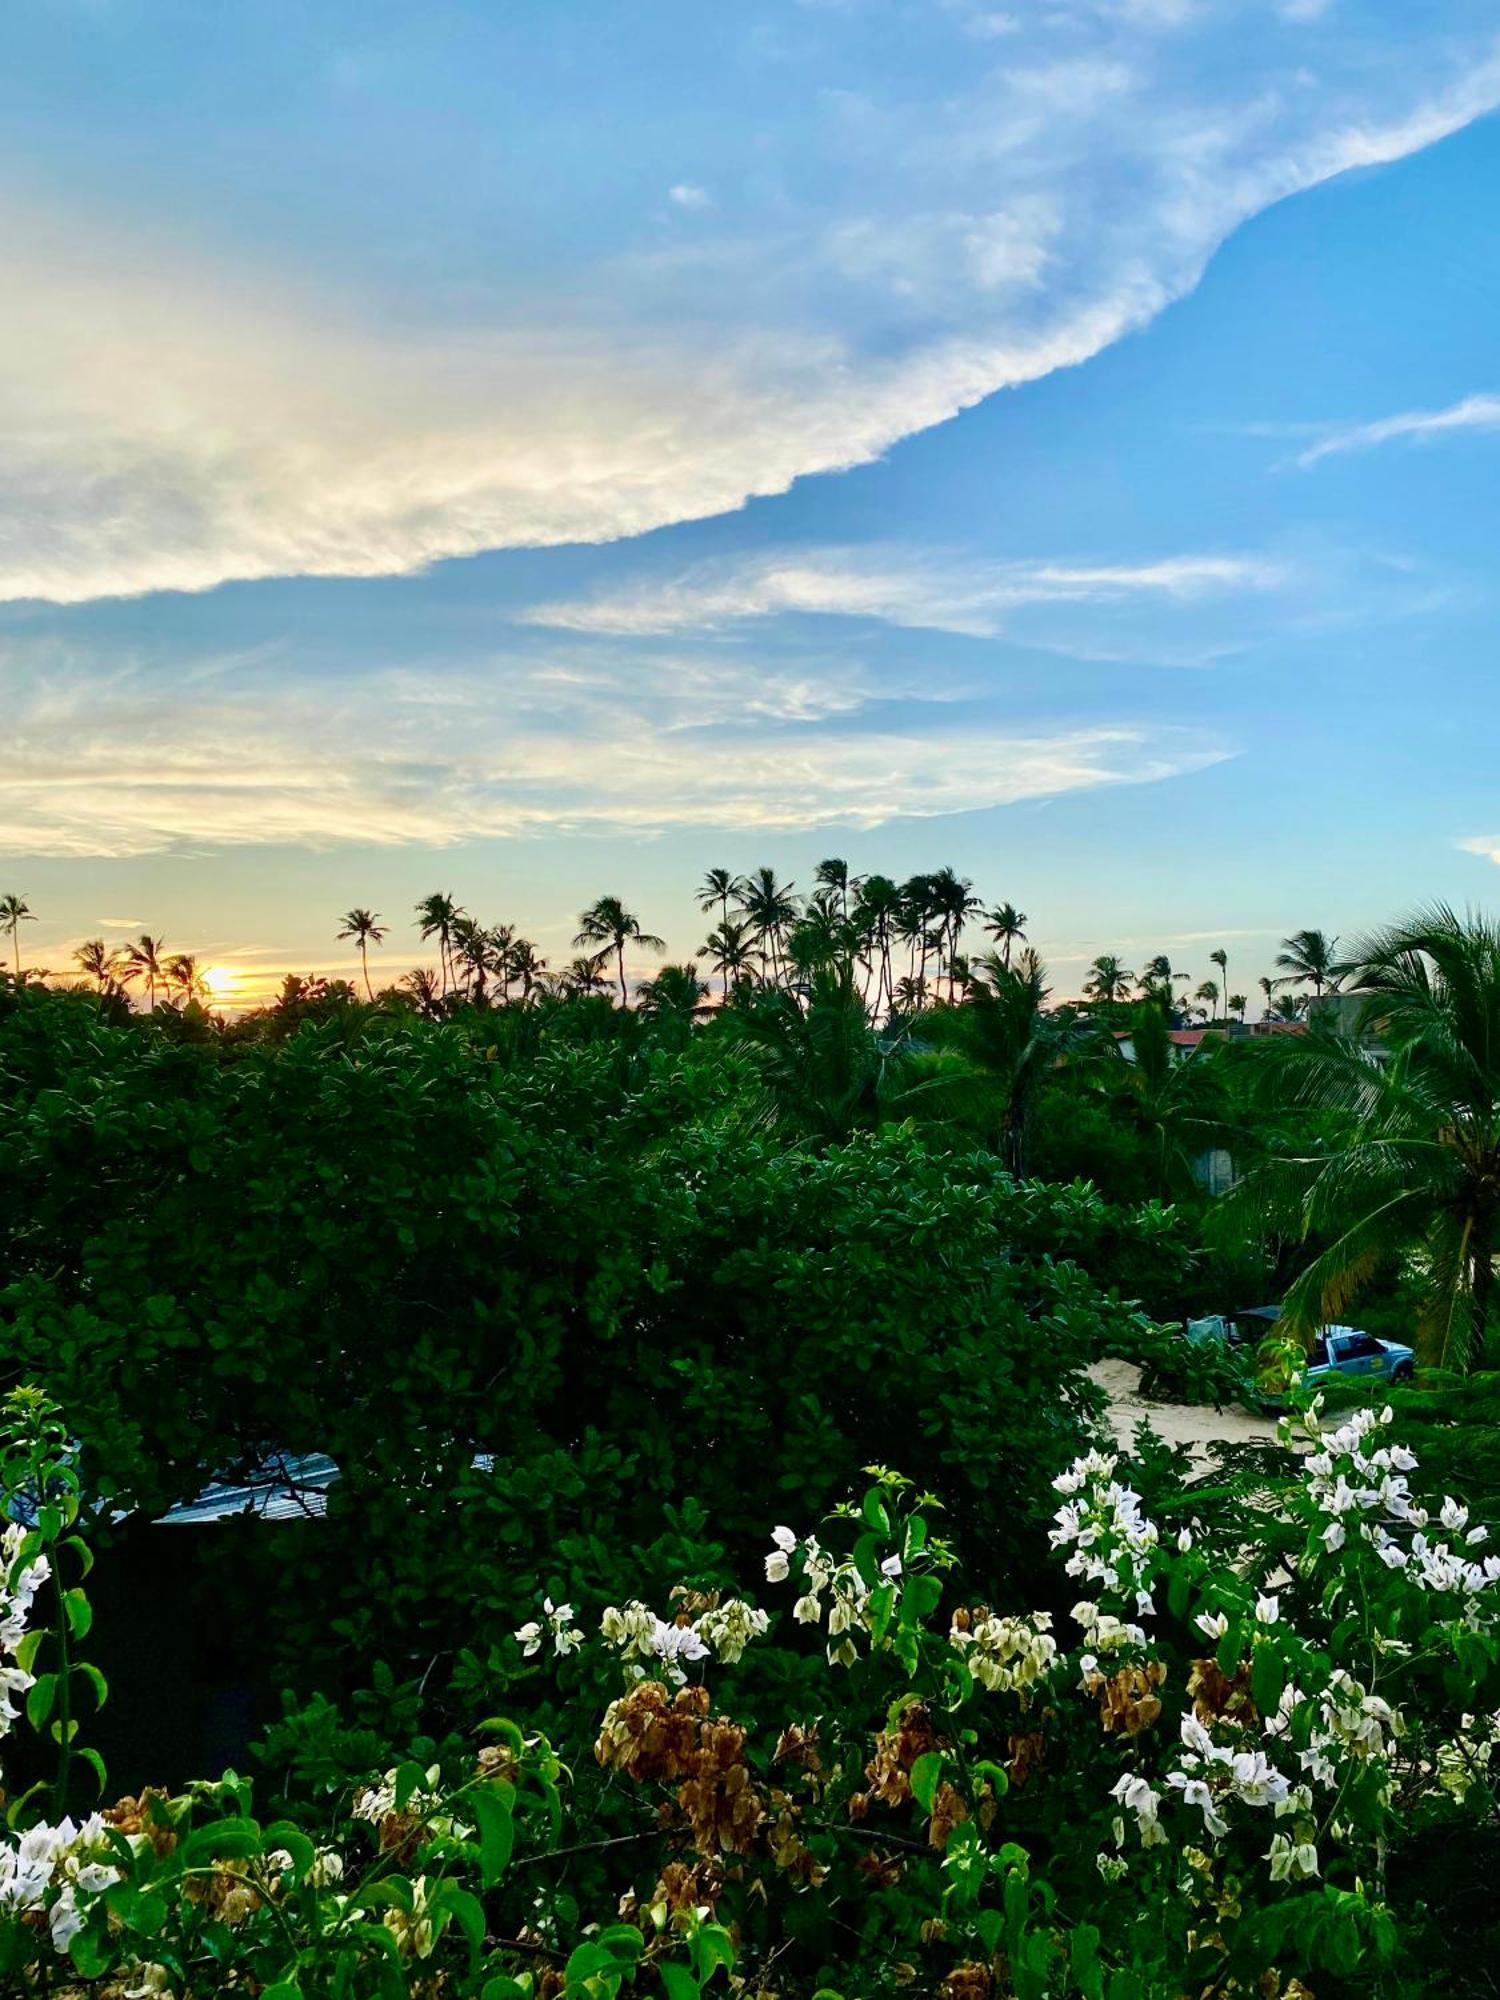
(1485, 845)
(137, 762)
(1473, 413)
(938, 590)
(177, 411)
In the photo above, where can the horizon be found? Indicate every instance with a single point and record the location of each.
(545, 456)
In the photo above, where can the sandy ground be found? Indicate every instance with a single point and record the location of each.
(1197, 1425)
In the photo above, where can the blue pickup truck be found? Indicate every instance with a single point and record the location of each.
(1338, 1350)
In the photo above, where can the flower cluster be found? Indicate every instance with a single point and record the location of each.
(1112, 1542)
(19, 1584)
(1005, 1655)
(718, 1631)
(840, 1582)
(1354, 1480)
(50, 1866)
(566, 1637)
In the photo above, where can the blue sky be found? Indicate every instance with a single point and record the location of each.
(548, 450)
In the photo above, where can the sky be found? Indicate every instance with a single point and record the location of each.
(548, 450)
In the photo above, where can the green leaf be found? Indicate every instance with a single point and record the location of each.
(875, 1513)
(1267, 1677)
(409, 1778)
(90, 1756)
(95, 1679)
(678, 1982)
(925, 1775)
(80, 1611)
(227, 1838)
(39, 1699)
(497, 1833)
(468, 1914)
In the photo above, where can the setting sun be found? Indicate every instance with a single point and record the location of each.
(222, 981)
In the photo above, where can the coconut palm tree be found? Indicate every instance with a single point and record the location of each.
(100, 961)
(996, 1051)
(426, 989)
(769, 906)
(182, 975)
(523, 962)
(610, 925)
(952, 902)
(1107, 981)
(675, 993)
(1413, 1178)
(1208, 993)
(1220, 958)
(583, 976)
(146, 961)
(1268, 987)
(436, 916)
(730, 950)
(910, 995)
(1007, 925)
(1176, 1104)
(1237, 1004)
(364, 928)
(877, 909)
(833, 875)
(1307, 959)
(15, 911)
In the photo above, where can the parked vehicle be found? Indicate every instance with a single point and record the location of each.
(1345, 1350)
(1338, 1350)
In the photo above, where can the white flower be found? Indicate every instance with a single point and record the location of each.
(1212, 1627)
(1184, 1540)
(891, 1566)
(1267, 1609)
(778, 1568)
(807, 1610)
(1291, 1861)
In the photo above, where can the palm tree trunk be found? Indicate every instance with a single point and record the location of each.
(365, 967)
(620, 955)
(1481, 1295)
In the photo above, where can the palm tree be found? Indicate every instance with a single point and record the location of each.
(426, 989)
(1268, 987)
(610, 925)
(1220, 958)
(675, 993)
(14, 912)
(1208, 992)
(364, 927)
(473, 951)
(100, 962)
(730, 951)
(436, 916)
(523, 962)
(1307, 959)
(1175, 1104)
(910, 995)
(584, 975)
(877, 906)
(182, 973)
(953, 902)
(1107, 981)
(1237, 1003)
(769, 906)
(1007, 925)
(833, 875)
(1413, 1178)
(146, 962)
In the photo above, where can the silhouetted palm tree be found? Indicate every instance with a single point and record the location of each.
(877, 909)
(675, 991)
(146, 962)
(1007, 925)
(181, 973)
(1107, 981)
(610, 925)
(426, 990)
(769, 906)
(1268, 987)
(833, 875)
(584, 975)
(436, 916)
(952, 901)
(1220, 958)
(716, 891)
(364, 928)
(1307, 959)
(15, 911)
(1208, 992)
(730, 950)
(1238, 1002)
(100, 961)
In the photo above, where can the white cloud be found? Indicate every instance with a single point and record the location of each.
(172, 417)
(134, 762)
(942, 592)
(685, 195)
(1474, 413)
(1485, 845)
